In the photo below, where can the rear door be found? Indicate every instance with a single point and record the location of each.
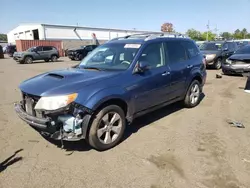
(178, 62)
(47, 52)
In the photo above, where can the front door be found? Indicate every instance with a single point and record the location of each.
(38, 54)
(152, 86)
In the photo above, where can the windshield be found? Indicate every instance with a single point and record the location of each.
(31, 49)
(211, 46)
(111, 56)
(244, 50)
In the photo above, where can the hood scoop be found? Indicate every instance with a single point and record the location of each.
(53, 75)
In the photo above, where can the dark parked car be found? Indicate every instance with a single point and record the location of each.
(79, 53)
(217, 52)
(239, 62)
(10, 50)
(119, 81)
(45, 53)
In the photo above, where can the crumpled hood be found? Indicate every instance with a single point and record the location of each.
(64, 81)
(240, 57)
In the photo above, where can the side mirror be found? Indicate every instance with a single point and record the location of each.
(142, 66)
(225, 49)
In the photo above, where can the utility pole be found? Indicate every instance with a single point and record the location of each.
(216, 31)
(207, 29)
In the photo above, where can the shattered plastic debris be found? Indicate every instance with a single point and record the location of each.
(236, 124)
(219, 75)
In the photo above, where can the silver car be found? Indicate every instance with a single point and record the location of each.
(239, 62)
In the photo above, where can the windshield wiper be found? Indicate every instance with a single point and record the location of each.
(95, 68)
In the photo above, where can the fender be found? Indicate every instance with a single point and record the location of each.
(195, 72)
(101, 96)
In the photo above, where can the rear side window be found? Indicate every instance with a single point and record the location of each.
(176, 52)
(191, 49)
(47, 48)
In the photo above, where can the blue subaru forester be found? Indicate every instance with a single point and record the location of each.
(120, 80)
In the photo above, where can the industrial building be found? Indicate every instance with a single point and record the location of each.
(71, 36)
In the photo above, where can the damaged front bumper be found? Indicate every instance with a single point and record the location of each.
(55, 127)
(235, 70)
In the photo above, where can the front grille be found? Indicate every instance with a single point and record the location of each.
(29, 102)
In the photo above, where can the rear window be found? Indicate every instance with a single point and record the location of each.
(211, 46)
(191, 48)
(47, 48)
(176, 51)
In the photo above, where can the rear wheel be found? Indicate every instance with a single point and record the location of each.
(54, 58)
(193, 94)
(218, 63)
(107, 128)
(28, 60)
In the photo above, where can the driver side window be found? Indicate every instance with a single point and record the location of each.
(153, 54)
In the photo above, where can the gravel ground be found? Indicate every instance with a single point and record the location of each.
(172, 147)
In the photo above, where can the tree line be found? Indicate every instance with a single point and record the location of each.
(202, 36)
(3, 37)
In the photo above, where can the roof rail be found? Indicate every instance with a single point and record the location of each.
(151, 35)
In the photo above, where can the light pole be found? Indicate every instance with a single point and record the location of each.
(207, 29)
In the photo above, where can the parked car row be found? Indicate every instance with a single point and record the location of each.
(232, 57)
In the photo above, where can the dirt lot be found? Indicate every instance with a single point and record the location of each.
(173, 147)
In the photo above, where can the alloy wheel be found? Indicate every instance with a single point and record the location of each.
(109, 128)
(194, 94)
(218, 64)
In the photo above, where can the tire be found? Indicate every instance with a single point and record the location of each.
(224, 72)
(192, 97)
(46, 60)
(80, 57)
(54, 58)
(76, 58)
(99, 130)
(28, 60)
(218, 63)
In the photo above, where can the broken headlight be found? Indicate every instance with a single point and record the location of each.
(228, 61)
(55, 102)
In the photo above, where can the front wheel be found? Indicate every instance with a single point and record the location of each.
(80, 57)
(107, 128)
(54, 58)
(28, 60)
(218, 63)
(193, 94)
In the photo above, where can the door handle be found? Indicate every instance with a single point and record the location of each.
(165, 73)
(189, 66)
